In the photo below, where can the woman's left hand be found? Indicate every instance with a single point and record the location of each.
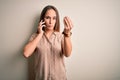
(67, 25)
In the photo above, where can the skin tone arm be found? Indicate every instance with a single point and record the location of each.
(67, 47)
(31, 46)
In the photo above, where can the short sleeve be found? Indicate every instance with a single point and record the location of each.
(33, 36)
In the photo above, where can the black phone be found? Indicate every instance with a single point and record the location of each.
(43, 26)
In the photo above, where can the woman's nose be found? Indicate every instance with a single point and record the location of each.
(50, 21)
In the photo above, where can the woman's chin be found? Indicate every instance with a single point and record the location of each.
(49, 28)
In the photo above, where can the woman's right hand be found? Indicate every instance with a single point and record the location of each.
(40, 26)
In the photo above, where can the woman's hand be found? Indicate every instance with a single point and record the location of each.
(40, 26)
(67, 25)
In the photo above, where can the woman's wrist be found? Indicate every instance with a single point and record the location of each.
(38, 32)
(67, 34)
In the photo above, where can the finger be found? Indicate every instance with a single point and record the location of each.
(70, 22)
(66, 22)
(67, 28)
(41, 23)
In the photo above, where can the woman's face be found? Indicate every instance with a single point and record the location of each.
(50, 19)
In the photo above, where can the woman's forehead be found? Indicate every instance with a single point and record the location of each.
(50, 12)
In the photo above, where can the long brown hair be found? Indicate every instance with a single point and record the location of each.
(57, 24)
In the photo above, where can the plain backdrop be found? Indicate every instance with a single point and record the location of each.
(95, 38)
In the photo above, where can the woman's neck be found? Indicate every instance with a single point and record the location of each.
(48, 33)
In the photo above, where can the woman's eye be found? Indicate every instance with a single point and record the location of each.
(47, 17)
(54, 18)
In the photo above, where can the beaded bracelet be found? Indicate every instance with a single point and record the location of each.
(67, 34)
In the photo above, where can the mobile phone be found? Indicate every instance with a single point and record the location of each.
(43, 28)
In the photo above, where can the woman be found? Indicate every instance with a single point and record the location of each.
(50, 46)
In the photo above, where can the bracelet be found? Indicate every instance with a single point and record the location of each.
(67, 34)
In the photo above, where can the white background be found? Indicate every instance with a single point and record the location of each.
(95, 38)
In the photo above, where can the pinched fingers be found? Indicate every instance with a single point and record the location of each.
(68, 24)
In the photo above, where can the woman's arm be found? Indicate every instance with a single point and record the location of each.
(31, 46)
(67, 45)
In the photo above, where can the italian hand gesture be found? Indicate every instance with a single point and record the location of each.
(67, 26)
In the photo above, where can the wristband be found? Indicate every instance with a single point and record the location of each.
(67, 34)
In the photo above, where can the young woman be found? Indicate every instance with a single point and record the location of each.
(50, 46)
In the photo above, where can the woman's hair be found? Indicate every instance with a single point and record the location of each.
(57, 24)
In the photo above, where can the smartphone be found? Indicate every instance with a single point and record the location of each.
(43, 26)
